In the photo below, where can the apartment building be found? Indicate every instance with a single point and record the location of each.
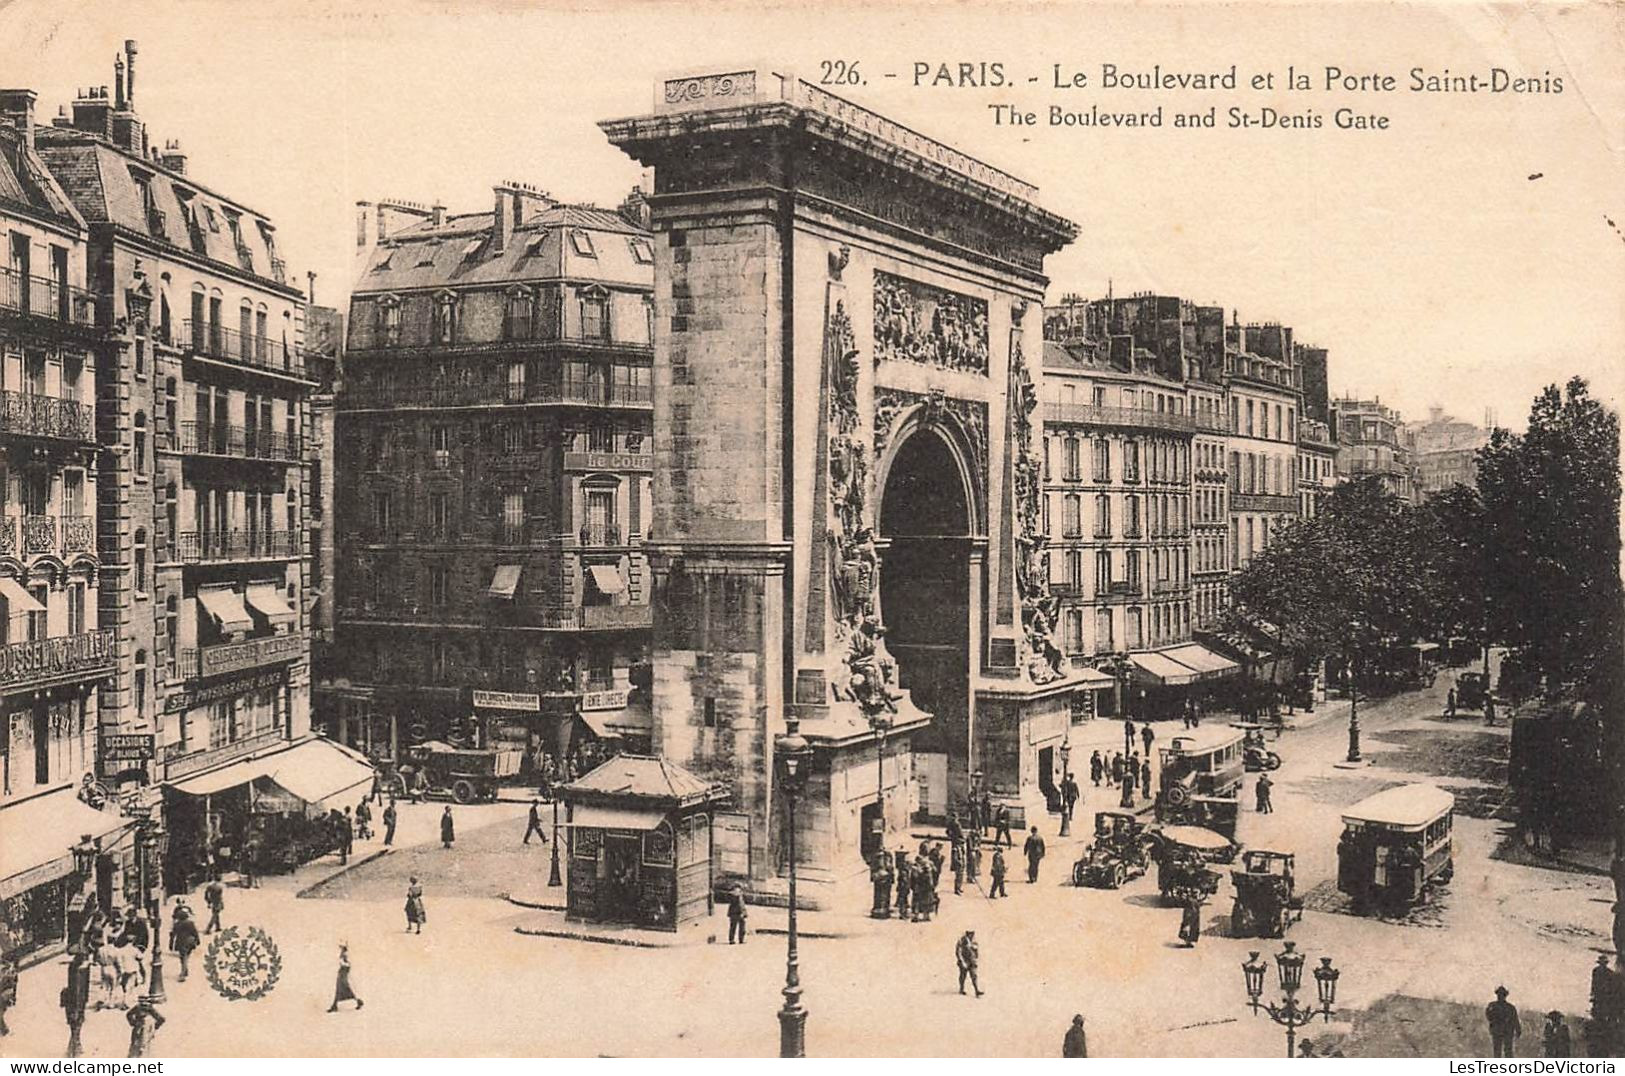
(1264, 400)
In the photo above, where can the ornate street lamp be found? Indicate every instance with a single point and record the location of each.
(1354, 715)
(881, 724)
(553, 878)
(794, 757)
(153, 840)
(1066, 775)
(1289, 969)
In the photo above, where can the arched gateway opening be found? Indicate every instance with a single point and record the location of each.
(925, 540)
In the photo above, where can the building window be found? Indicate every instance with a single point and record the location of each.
(1131, 568)
(1134, 637)
(1074, 631)
(1131, 516)
(1069, 458)
(140, 439)
(1103, 515)
(440, 514)
(76, 609)
(595, 314)
(445, 318)
(1131, 461)
(381, 513)
(1103, 460)
(1103, 571)
(1249, 418)
(1074, 569)
(642, 251)
(1103, 631)
(439, 585)
(172, 627)
(582, 243)
(140, 684)
(141, 562)
(1073, 522)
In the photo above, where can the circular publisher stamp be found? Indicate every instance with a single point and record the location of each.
(242, 964)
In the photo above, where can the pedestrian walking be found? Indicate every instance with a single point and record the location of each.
(1146, 736)
(8, 989)
(1190, 924)
(1131, 776)
(955, 831)
(973, 856)
(1116, 777)
(1145, 778)
(107, 977)
(936, 870)
(347, 834)
(973, 814)
(389, 822)
(880, 874)
(1002, 834)
(145, 1020)
(1262, 792)
(1450, 703)
(1489, 719)
(967, 956)
(363, 821)
(987, 811)
(1505, 1029)
(1070, 795)
(1554, 1038)
(128, 967)
(1128, 735)
(377, 790)
(247, 866)
(1095, 768)
(416, 916)
(1033, 848)
(957, 864)
(737, 914)
(214, 896)
(1076, 1044)
(534, 822)
(343, 988)
(183, 936)
(905, 885)
(925, 893)
(448, 828)
(75, 998)
(996, 872)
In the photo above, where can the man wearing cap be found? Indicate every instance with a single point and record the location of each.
(967, 955)
(1503, 1020)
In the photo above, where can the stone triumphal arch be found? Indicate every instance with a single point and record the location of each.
(846, 524)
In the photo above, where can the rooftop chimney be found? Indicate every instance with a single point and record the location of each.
(118, 82)
(173, 157)
(18, 107)
(310, 287)
(437, 214)
(129, 74)
(501, 219)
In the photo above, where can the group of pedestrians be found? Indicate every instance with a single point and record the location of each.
(1130, 772)
(109, 969)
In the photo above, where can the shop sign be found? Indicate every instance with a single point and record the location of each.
(127, 746)
(226, 689)
(604, 700)
(608, 461)
(507, 700)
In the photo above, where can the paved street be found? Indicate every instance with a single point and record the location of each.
(469, 984)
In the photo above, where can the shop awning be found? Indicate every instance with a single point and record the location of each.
(238, 773)
(634, 719)
(18, 600)
(226, 606)
(607, 578)
(269, 603)
(592, 816)
(319, 770)
(1162, 670)
(505, 582)
(41, 833)
(1207, 664)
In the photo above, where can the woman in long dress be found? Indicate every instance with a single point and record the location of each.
(342, 990)
(415, 915)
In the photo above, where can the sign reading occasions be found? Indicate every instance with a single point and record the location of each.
(128, 746)
(506, 700)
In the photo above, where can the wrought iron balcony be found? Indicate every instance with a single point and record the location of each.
(42, 297)
(38, 661)
(26, 414)
(1263, 502)
(215, 341)
(1118, 417)
(491, 392)
(197, 662)
(598, 535)
(200, 547)
(225, 439)
(78, 535)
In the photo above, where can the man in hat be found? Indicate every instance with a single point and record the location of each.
(1554, 1037)
(967, 955)
(533, 823)
(390, 819)
(1070, 794)
(1146, 736)
(145, 1020)
(1096, 767)
(214, 896)
(75, 999)
(183, 935)
(996, 889)
(1076, 1044)
(1263, 793)
(881, 876)
(904, 885)
(1034, 850)
(956, 862)
(1604, 990)
(737, 914)
(1502, 1017)
(1002, 833)
(1145, 778)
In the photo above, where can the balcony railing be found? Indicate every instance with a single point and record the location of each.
(87, 653)
(78, 534)
(33, 536)
(197, 662)
(1263, 502)
(215, 341)
(494, 392)
(600, 535)
(178, 761)
(28, 414)
(1168, 586)
(43, 297)
(1124, 417)
(224, 439)
(195, 547)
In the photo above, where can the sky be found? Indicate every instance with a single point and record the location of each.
(1462, 257)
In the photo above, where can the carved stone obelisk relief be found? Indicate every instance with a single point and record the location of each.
(839, 342)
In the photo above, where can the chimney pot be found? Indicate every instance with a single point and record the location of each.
(501, 219)
(18, 107)
(437, 214)
(129, 72)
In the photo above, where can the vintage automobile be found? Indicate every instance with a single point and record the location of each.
(1395, 845)
(1265, 904)
(1254, 755)
(1120, 851)
(1470, 690)
(436, 769)
(1184, 857)
(1199, 779)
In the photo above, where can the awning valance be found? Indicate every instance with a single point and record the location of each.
(607, 578)
(593, 816)
(226, 607)
(1162, 670)
(505, 581)
(41, 832)
(269, 603)
(318, 770)
(634, 719)
(18, 600)
(1205, 662)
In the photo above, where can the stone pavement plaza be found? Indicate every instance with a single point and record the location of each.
(470, 985)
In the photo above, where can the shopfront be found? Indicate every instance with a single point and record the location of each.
(54, 850)
(639, 844)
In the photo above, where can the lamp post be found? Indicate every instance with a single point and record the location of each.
(794, 754)
(553, 878)
(1066, 775)
(881, 724)
(1354, 714)
(1289, 968)
(152, 845)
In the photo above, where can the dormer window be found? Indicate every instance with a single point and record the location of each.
(643, 252)
(582, 242)
(472, 248)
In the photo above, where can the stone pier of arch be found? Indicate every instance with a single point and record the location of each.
(846, 528)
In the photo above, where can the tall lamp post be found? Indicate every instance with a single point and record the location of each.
(1289, 968)
(1354, 713)
(151, 836)
(1066, 775)
(881, 724)
(553, 878)
(794, 755)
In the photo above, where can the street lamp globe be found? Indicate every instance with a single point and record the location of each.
(1289, 965)
(84, 855)
(793, 752)
(1252, 970)
(1326, 984)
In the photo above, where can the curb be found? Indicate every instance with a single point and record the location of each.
(599, 939)
(535, 905)
(310, 890)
